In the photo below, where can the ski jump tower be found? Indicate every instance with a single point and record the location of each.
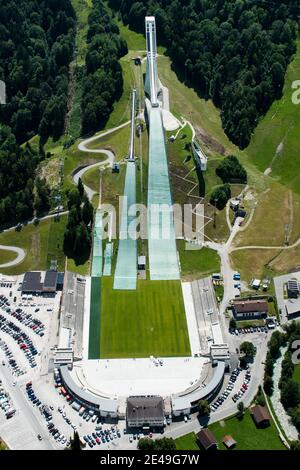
(151, 81)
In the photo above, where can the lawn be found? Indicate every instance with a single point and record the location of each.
(254, 263)
(187, 442)
(118, 142)
(197, 263)
(41, 243)
(7, 256)
(247, 435)
(275, 208)
(148, 321)
(280, 125)
(135, 41)
(219, 232)
(3, 446)
(296, 375)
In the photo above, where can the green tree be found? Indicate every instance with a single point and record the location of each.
(87, 212)
(203, 407)
(268, 385)
(220, 196)
(295, 445)
(290, 394)
(230, 170)
(80, 188)
(145, 444)
(241, 409)
(248, 349)
(75, 443)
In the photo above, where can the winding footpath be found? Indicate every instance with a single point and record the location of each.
(20, 255)
(110, 157)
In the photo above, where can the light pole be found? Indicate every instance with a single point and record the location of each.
(215, 212)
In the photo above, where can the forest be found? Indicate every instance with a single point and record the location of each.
(234, 52)
(103, 81)
(37, 40)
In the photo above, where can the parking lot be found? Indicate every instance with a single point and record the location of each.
(235, 388)
(43, 418)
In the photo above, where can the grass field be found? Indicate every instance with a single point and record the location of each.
(254, 263)
(148, 321)
(276, 207)
(187, 442)
(42, 244)
(296, 375)
(7, 256)
(197, 263)
(247, 435)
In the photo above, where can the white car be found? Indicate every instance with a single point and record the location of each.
(130, 439)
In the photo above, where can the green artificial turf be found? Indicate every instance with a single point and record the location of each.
(148, 321)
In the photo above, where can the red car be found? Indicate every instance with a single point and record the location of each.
(98, 440)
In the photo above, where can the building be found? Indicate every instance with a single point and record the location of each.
(199, 156)
(220, 352)
(234, 204)
(207, 440)
(32, 283)
(142, 263)
(260, 416)
(50, 282)
(249, 309)
(292, 288)
(116, 168)
(60, 281)
(292, 307)
(35, 283)
(229, 442)
(144, 412)
(137, 60)
(241, 213)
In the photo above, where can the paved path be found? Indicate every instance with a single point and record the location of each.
(262, 247)
(20, 255)
(83, 147)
